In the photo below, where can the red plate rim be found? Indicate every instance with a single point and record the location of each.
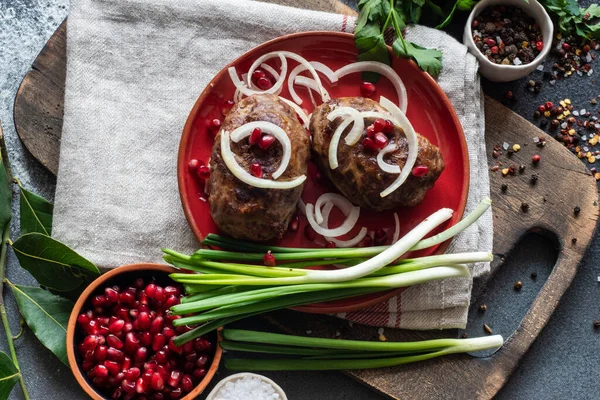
(320, 308)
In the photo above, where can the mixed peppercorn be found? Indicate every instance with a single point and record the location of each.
(507, 35)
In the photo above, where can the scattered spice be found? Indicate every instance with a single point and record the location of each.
(534, 179)
(534, 275)
(482, 308)
(574, 240)
(504, 187)
(521, 168)
(464, 335)
(576, 210)
(518, 285)
(524, 207)
(487, 329)
(597, 324)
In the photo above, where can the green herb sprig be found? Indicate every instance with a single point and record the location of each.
(575, 20)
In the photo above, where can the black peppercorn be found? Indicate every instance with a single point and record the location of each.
(534, 275)
(576, 210)
(534, 179)
(524, 207)
(521, 168)
(504, 187)
(597, 324)
(574, 240)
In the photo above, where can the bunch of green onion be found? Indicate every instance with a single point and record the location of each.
(301, 353)
(229, 286)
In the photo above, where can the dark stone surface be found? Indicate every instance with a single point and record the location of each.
(563, 362)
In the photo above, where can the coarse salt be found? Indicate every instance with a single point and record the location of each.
(590, 72)
(536, 139)
(505, 146)
(563, 125)
(588, 58)
(248, 387)
(576, 113)
(552, 82)
(540, 67)
(517, 61)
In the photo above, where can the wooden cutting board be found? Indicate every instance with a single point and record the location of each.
(38, 115)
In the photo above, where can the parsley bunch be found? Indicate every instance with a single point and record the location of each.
(575, 20)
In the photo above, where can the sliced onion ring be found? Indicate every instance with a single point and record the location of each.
(309, 83)
(380, 68)
(336, 200)
(397, 230)
(305, 118)
(296, 57)
(267, 127)
(342, 243)
(320, 67)
(346, 226)
(335, 142)
(411, 138)
(385, 167)
(244, 176)
(244, 87)
(359, 124)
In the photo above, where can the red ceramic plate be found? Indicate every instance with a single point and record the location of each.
(429, 111)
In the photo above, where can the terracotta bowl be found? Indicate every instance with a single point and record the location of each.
(126, 273)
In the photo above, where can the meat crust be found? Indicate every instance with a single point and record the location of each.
(358, 177)
(247, 212)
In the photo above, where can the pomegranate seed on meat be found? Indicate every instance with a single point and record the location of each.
(203, 173)
(371, 131)
(389, 126)
(256, 170)
(369, 144)
(420, 170)
(255, 136)
(266, 141)
(367, 89)
(379, 125)
(380, 140)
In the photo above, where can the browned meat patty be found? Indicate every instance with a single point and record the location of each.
(358, 177)
(244, 211)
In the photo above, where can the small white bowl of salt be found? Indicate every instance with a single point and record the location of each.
(245, 386)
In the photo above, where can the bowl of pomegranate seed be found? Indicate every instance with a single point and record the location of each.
(120, 339)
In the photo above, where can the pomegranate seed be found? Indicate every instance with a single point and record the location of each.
(257, 74)
(161, 357)
(114, 341)
(294, 222)
(143, 308)
(187, 385)
(266, 141)
(369, 144)
(366, 242)
(113, 367)
(201, 345)
(310, 233)
(143, 320)
(203, 172)
(101, 371)
(116, 326)
(147, 375)
(255, 136)
(132, 343)
(171, 301)
(132, 373)
(83, 320)
(201, 361)
(389, 126)
(139, 283)
(140, 386)
(118, 393)
(380, 236)
(176, 393)
(168, 332)
(367, 89)
(128, 327)
(114, 355)
(126, 363)
(269, 259)
(420, 170)
(371, 131)
(536, 159)
(103, 320)
(100, 353)
(539, 45)
(87, 365)
(90, 342)
(227, 105)
(174, 379)
(566, 46)
(174, 348)
(264, 83)
(199, 373)
(127, 297)
(156, 325)
(163, 370)
(152, 364)
(158, 396)
(256, 170)
(548, 105)
(123, 313)
(380, 140)
(128, 386)
(157, 382)
(191, 356)
(98, 301)
(159, 341)
(188, 366)
(111, 295)
(214, 124)
(150, 290)
(172, 290)
(141, 355)
(330, 245)
(92, 327)
(88, 356)
(103, 331)
(146, 339)
(379, 125)
(193, 165)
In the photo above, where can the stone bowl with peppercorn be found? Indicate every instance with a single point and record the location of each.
(510, 38)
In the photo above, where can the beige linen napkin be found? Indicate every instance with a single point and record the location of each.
(134, 70)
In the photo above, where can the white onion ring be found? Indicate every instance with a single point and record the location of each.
(320, 67)
(244, 176)
(335, 142)
(309, 83)
(245, 87)
(359, 124)
(385, 167)
(377, 114)
(336, 200)
(411, 138)
(380, 68)
(270, 70)
(346, 226)
(341, 243)
(305, 118)
(267, 127)
(302, 206)
(296, 57)
(397, 230)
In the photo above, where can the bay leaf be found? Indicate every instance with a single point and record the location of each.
(52, 263)
(36, 213)
(9, 375)
(47, 315)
